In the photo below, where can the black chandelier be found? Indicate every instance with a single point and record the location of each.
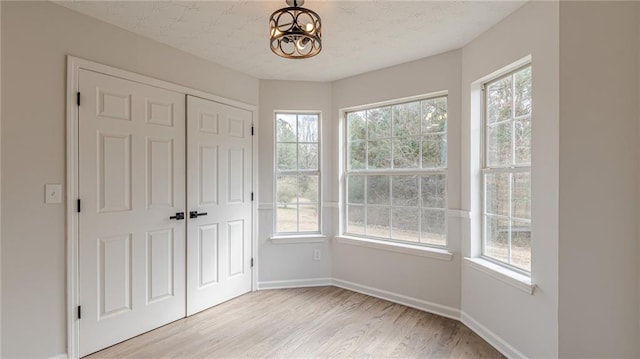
(295, 31)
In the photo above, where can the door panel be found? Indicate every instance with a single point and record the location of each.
(219, 183)
(131, 180)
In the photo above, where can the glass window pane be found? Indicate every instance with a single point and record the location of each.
(496, 238)
(379, 123)
(522, 83)
(499, 144)
(285, 127)
(287, 191)
(378, 222)
(308, 128)
(379, 154)
(496, 195)
(434, 115)
(521, 195)
(434, 191)
(355, 219)
(286, 219)
(521, 244)
(434, 151)
(522, 141)
(499, 100)
(356, 126)
(308, 189)
(406, 152)
(434, 227)
(355, 189)
(286, 156)
(405, 223)
(357, 155)
(307, 157)
(405, 190)
(378, 190)
(406, 119)
(309, 218)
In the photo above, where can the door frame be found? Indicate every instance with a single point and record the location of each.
(74, 65)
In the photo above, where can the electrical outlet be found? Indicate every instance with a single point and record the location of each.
(316, 254)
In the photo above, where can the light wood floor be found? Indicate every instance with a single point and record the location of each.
(304, 323)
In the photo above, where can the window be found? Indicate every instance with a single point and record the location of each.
(297, 173)
(396, 172)
(506, 170)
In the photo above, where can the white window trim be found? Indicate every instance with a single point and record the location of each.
(501, 273)
(420, 249)
(399, 247)
(280, 236)
(301, 238)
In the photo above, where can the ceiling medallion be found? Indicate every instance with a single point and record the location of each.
(295, 31)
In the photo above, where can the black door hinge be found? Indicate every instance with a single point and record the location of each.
(252, 262)
(251, 130)
(78, 98)
(78, 206)
(79, 312)
(251, 196)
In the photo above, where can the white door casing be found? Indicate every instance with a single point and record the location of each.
(219, 183)
(131, 167)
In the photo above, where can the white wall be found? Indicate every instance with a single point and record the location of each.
(0, 180)
(279, 263)
(429, 280)
(36, 36)
(508, 313)
(598, 303)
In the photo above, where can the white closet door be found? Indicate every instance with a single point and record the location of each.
(131, 181)
(219, 176)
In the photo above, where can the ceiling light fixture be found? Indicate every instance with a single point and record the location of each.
(295, 31)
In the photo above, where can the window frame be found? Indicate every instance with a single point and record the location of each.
(296, 172)
(418, 172)
(512, 169)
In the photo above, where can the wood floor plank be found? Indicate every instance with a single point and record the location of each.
(320, 322)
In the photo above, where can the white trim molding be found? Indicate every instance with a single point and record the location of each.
(512, 278)
(295, 283)
(265, 207)
(416, 250)
(492, 338)
(459, 213)
(416, 303)
(60, 356)
(311, 238)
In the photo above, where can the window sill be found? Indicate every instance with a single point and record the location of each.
(512, 278)
(429, 252)
(293, 239)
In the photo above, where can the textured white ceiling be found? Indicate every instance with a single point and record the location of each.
(357, 36)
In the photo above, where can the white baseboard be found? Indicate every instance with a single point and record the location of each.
(492, 338)
(60, 356)
(295, 283)
(416, 303)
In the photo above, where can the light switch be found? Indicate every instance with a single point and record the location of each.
(53, 193)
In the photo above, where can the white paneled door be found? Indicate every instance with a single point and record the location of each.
(166, 214)
(219, 173)
(131, 182)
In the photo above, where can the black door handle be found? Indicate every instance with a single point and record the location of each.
(195, 214)
(178, 216)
